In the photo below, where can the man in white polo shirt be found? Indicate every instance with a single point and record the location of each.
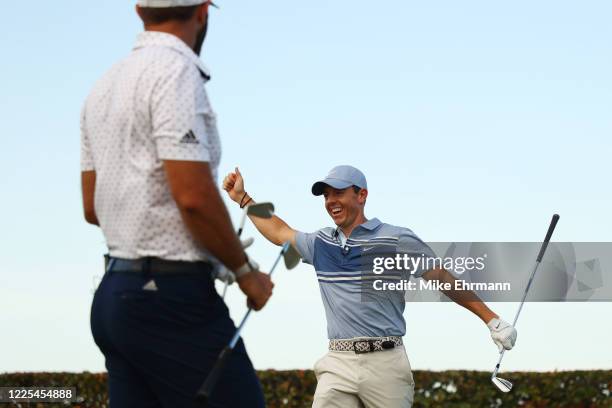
(367, 365)
(149, 157)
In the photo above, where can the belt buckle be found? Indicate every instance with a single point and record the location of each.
(370, 346)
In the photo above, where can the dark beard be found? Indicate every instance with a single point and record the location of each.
(197, 48)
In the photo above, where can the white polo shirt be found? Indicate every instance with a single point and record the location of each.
(150, 107)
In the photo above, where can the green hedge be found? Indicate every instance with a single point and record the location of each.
(433, 389)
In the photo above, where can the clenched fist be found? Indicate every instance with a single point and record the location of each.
(233, 183)
(258, 288)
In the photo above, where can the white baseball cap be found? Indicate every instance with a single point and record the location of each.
(170, 3)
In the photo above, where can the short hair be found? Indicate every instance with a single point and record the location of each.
(356, 189)
(159, 15)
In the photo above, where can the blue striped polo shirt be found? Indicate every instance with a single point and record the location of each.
(339, 265)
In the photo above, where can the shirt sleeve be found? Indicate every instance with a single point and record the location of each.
(412, 245)
(87, 163)
(305, 245)
(178, 108)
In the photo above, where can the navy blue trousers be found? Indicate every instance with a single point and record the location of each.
(160, 345)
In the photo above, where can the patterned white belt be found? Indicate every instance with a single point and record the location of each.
(365, 345)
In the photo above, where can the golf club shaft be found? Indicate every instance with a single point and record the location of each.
(240, 228)
(204, 392)
(234, 339)
(242, 222)
(277, 260)
(518, 312)
(551, 228)
(501, 356)
(206, 389)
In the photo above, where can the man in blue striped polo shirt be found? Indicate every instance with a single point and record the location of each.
(367, 364)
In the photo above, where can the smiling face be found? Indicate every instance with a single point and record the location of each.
(345, 207)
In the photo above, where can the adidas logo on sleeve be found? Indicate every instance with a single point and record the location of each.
(190, 138)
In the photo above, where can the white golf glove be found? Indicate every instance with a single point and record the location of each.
(227, 276)
(502, 333)
(247, 242)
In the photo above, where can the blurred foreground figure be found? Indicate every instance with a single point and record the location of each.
(149, 157)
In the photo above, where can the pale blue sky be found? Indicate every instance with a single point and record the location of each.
(472, 120)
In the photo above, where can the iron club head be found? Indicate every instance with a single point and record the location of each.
(290, 255)
(503, 385)
(261, 210)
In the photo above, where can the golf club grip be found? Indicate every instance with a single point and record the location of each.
(551, 228)
(204, 393)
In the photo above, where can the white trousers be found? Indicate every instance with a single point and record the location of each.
(381, 379)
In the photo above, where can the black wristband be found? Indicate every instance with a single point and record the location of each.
(248, 201)
(242, 199)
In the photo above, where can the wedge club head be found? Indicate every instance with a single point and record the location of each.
(503, 385)
(261, 210)
(290, 255)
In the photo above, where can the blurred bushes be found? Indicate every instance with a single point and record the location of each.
(575, 389)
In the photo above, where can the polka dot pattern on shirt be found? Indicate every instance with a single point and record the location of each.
(151, 106)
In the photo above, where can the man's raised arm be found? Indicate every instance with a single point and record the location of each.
(206, 217)
(274, 229)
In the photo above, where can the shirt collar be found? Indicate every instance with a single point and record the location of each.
(161, 39)
(370, 225)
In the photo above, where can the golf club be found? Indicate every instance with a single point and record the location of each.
(502, 384)
(292, 258)
(261, 210)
